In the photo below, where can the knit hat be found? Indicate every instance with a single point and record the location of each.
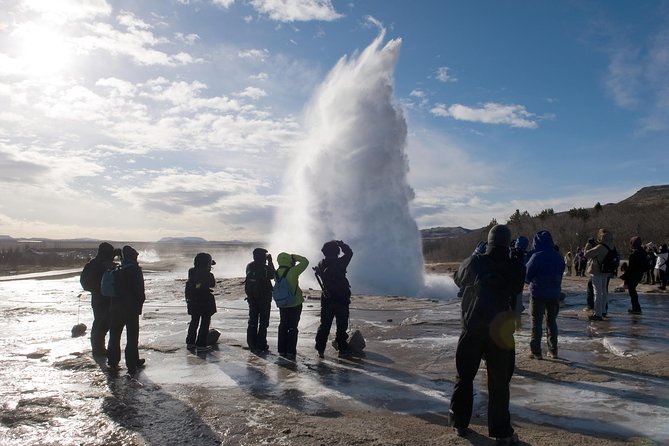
(499, 235)
(203, 259)
(259, 255)
(330, 249)
(635, 242)
(129, 253)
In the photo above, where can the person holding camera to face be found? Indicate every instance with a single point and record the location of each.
(336, 295)
(258, 288)
(290, 267)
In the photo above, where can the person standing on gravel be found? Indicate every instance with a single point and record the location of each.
(636, 267)
(258, 289)
(489, 282)
(200, 302)
(290, 268)
(544, 276)
(600, 279)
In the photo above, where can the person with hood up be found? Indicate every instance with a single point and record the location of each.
(600, 280)
(200, 301)
(336, 295)
(91, 278)
(258, 289)
(636, 267)
(544, 276)
(290, 267)
(490, 281)
(126, 308)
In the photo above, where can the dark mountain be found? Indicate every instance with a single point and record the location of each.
(182, 240)
(444, 232)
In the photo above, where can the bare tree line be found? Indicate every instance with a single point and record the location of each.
(570, 229)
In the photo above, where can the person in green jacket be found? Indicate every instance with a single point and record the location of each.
(291, 266)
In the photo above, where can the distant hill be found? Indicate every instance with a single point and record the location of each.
(182, 240)
(441, 232)
(646, 214)
(6, 238)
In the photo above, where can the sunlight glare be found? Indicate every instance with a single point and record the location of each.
(44, 50)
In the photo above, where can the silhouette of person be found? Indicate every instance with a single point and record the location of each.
(490, 281)
(90, 280)
(200, 301)
(335, 296)
(126, 308)
(258, 288)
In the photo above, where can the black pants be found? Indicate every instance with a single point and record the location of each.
(201, 321)
(123, 318)
(287, 336)
(331, 309)
(634, 295)
(101, 319)
(662, 278)
(590, 297)
(500, 363)
(256, 332)
(550, 309)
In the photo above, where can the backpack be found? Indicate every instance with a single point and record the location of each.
(610, 262)
(109, 285)
(283, 295)
(332, 279)
(87, 278)
(257, 285)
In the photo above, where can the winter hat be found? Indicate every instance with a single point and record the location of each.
(106, 250)
(330, 249)
(259, 255)
(129, 253)
(635, 242)
(203, 259)
(499, 235)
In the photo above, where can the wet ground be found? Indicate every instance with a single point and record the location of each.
(609, 387)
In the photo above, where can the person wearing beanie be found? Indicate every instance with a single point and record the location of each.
(90, 279)
(661, 266)
(636, 267)
(200, 301)
(544, 276)
(258, 289)
(126, 308)
(490, 281)
(290, 267)
(600, 279)
(335, 295)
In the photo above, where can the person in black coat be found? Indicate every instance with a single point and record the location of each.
(336, 295)
(490, 282)
(200, 301)
(258, 288)
(90, 279)
(634, 272)
(126, 307)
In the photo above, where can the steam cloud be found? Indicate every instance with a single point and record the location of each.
(349, 179)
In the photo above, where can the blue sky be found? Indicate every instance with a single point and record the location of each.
(133, 120)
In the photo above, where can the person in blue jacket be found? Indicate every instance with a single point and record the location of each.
(544, 276)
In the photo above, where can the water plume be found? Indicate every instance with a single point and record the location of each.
(349, 178)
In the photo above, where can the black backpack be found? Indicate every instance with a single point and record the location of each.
(332, 278)
(611, 260)
(257, 284)
(88, 277)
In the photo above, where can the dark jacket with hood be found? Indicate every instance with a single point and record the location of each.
(545, 268)
(202, 301)
(332, 270)
(131, 286)
(637, 265)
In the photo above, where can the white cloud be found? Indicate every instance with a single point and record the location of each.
(297, 10)
(188, 39)
(260, 77)
(421, 96)
(252, 93)
(137, 42)
(443, 75)
(491, 113)
(62, 11)
(254, 54)
(223, 3)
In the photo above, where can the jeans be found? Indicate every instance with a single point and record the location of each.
(101, 318)
(287, 336)
(539, 308)
(600, 284)
(329, 310)
(256, 331)
(500, 363)
(202, 321)
(123, 318)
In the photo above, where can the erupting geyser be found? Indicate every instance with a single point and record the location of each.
(349, 179)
